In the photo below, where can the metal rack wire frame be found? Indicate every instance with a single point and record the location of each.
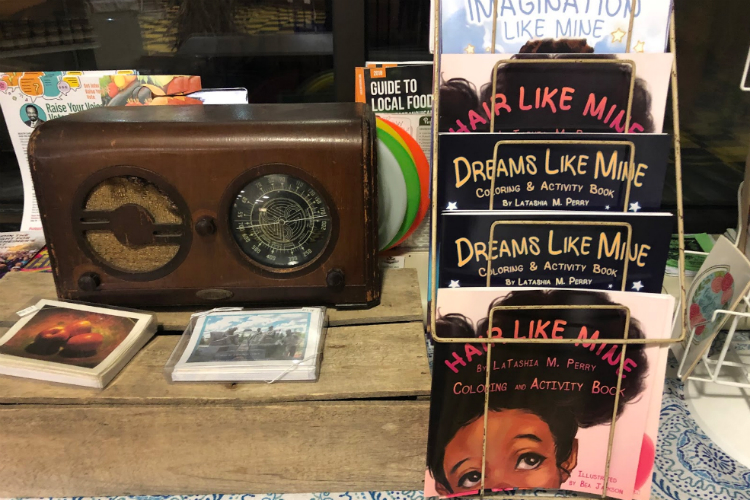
(631, 163)
(684, 372)
(680, 230)
(579, 341)
(714, 366)
(564, 62)
(501, 223)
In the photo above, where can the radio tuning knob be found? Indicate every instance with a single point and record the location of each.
(205, 226)
(89, 282)
(335, 279)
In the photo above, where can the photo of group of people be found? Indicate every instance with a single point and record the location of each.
(252, 337)
(252, 345)
(248, 345)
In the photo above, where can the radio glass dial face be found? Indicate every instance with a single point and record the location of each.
(281, 221)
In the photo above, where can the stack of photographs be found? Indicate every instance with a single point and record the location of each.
(72, 343)
(260, 345)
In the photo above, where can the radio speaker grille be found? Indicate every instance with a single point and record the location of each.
(141, 206)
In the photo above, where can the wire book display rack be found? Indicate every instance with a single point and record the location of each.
(498, 227)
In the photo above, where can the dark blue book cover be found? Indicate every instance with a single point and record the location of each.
(596, 250)
(623, 172)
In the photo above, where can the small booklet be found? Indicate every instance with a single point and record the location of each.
(73, 343)
(401, 94)
(28, 100)
(259, 345)
(395, 89)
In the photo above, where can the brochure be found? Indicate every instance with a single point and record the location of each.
(18, 249)
(28, 100)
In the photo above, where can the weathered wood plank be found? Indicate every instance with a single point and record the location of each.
(400, 301)
(18, 290)
(135, 450)
(374, 361)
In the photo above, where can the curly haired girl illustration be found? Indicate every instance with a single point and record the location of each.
(531, 431)
(466, 108)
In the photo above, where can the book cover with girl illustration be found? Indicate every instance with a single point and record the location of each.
(550, 407)
(549, 92)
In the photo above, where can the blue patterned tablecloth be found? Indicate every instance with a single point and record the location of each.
(689, 466)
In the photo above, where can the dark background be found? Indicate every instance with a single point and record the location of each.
(305, 51)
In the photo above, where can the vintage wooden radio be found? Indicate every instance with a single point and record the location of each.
(211, 205)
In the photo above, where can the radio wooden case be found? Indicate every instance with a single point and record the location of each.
(211, 205)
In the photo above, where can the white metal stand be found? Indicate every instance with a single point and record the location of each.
(722, 361)
(718, 390)
(713, 367)
(718, 393)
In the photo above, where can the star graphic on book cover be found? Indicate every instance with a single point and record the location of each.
(452, 205)
(618, 35)
(639, 47)
(606, 208)
(469, 49)
(637, 285)
(488, 49)
(454, 284)
(610, 286)
(634, 207)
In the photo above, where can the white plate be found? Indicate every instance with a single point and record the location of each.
(391, 196)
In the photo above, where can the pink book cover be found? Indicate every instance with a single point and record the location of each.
(547, 96)
(644, 477)
(550, 406)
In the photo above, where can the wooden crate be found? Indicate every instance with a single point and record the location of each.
(400, 301)
(362, 426)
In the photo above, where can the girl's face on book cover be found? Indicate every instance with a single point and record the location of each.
(520, 454)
